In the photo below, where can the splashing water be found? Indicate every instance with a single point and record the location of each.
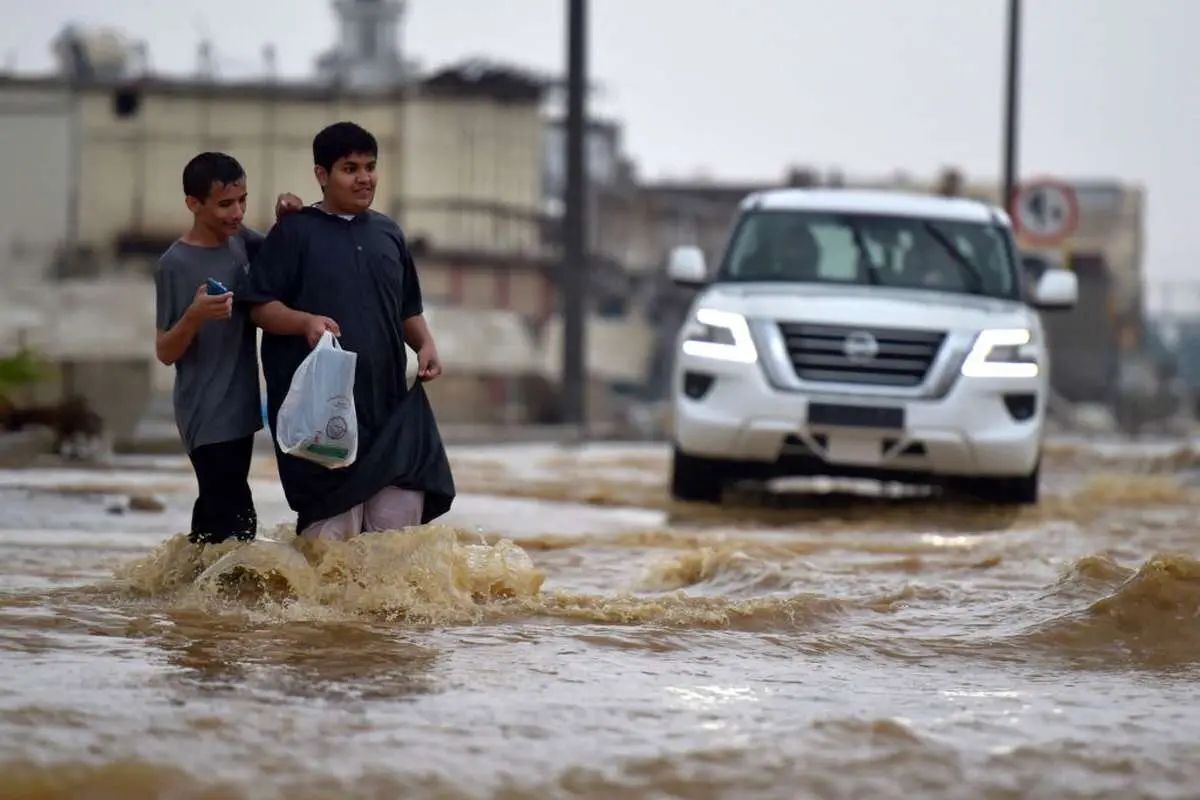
(425, 575)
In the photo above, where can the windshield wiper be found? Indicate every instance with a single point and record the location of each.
(968, 266)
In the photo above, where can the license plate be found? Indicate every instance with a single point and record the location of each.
(855, 416)
(852, 450)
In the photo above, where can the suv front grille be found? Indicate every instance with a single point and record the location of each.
(878, 356)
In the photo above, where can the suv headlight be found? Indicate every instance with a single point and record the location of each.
(1003, 353)
(721, 335)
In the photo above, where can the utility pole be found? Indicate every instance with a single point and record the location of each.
(1012, 103)
(574, 277)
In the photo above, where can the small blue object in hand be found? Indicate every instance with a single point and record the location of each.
(216, 287)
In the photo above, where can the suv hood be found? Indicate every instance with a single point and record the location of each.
(868, 306)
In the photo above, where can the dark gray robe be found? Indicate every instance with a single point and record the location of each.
(359, 273)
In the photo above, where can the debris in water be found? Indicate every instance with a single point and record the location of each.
(146, 503)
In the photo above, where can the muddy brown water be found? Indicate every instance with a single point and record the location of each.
(569, 632)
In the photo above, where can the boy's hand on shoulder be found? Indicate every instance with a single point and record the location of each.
(206, 307)
(315, 327)
(287, 203)
(429, 365)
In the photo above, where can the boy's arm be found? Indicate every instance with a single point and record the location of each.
(171, 344)
(286, 203)
(271, 284)
(275, 317)
(413, 326)
(420, 338)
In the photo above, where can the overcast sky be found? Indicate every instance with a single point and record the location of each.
(740, 89)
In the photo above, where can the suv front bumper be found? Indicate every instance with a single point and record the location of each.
(967, 429)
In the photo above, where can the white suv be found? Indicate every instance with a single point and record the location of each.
(863, 334)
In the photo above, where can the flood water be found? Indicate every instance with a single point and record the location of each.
(569, 632)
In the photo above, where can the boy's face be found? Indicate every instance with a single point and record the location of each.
(350, 185)
(224, 208)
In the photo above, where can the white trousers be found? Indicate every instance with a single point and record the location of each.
(392, 509)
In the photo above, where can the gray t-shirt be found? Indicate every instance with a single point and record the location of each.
(216, 380)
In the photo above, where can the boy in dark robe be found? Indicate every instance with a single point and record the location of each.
(341, 267)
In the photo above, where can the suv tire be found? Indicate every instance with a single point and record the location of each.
(1021, 491)
(697, 480)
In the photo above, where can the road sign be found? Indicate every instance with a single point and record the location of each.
(1045, 212)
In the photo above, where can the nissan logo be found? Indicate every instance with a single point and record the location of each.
(860, 347)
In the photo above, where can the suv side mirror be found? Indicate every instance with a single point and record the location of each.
(687, 267)
(1057, 289)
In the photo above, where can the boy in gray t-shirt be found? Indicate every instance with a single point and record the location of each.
(211, 342)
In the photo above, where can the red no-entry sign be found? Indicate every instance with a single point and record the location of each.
(1045, 212)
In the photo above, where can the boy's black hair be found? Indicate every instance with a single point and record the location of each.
(208, 168)
(339, 140)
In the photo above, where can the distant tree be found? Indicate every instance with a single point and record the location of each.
(19, 370)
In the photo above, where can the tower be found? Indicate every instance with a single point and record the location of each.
(367, 53)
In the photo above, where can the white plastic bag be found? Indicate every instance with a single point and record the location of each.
(317, 420)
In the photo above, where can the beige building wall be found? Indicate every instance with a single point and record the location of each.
(528, 294)
(131, 167)
(436, 285)
(35, 160)
(462, 172)
(467, 159)
(478, 288)
(617, 349)
(1111, 223)
(530, 289)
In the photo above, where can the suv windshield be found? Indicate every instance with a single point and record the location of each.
(901, 252)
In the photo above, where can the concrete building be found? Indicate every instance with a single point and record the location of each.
(37, 162)
(96, 152)
(1097, 346)
(96, 169)
(458, 166)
